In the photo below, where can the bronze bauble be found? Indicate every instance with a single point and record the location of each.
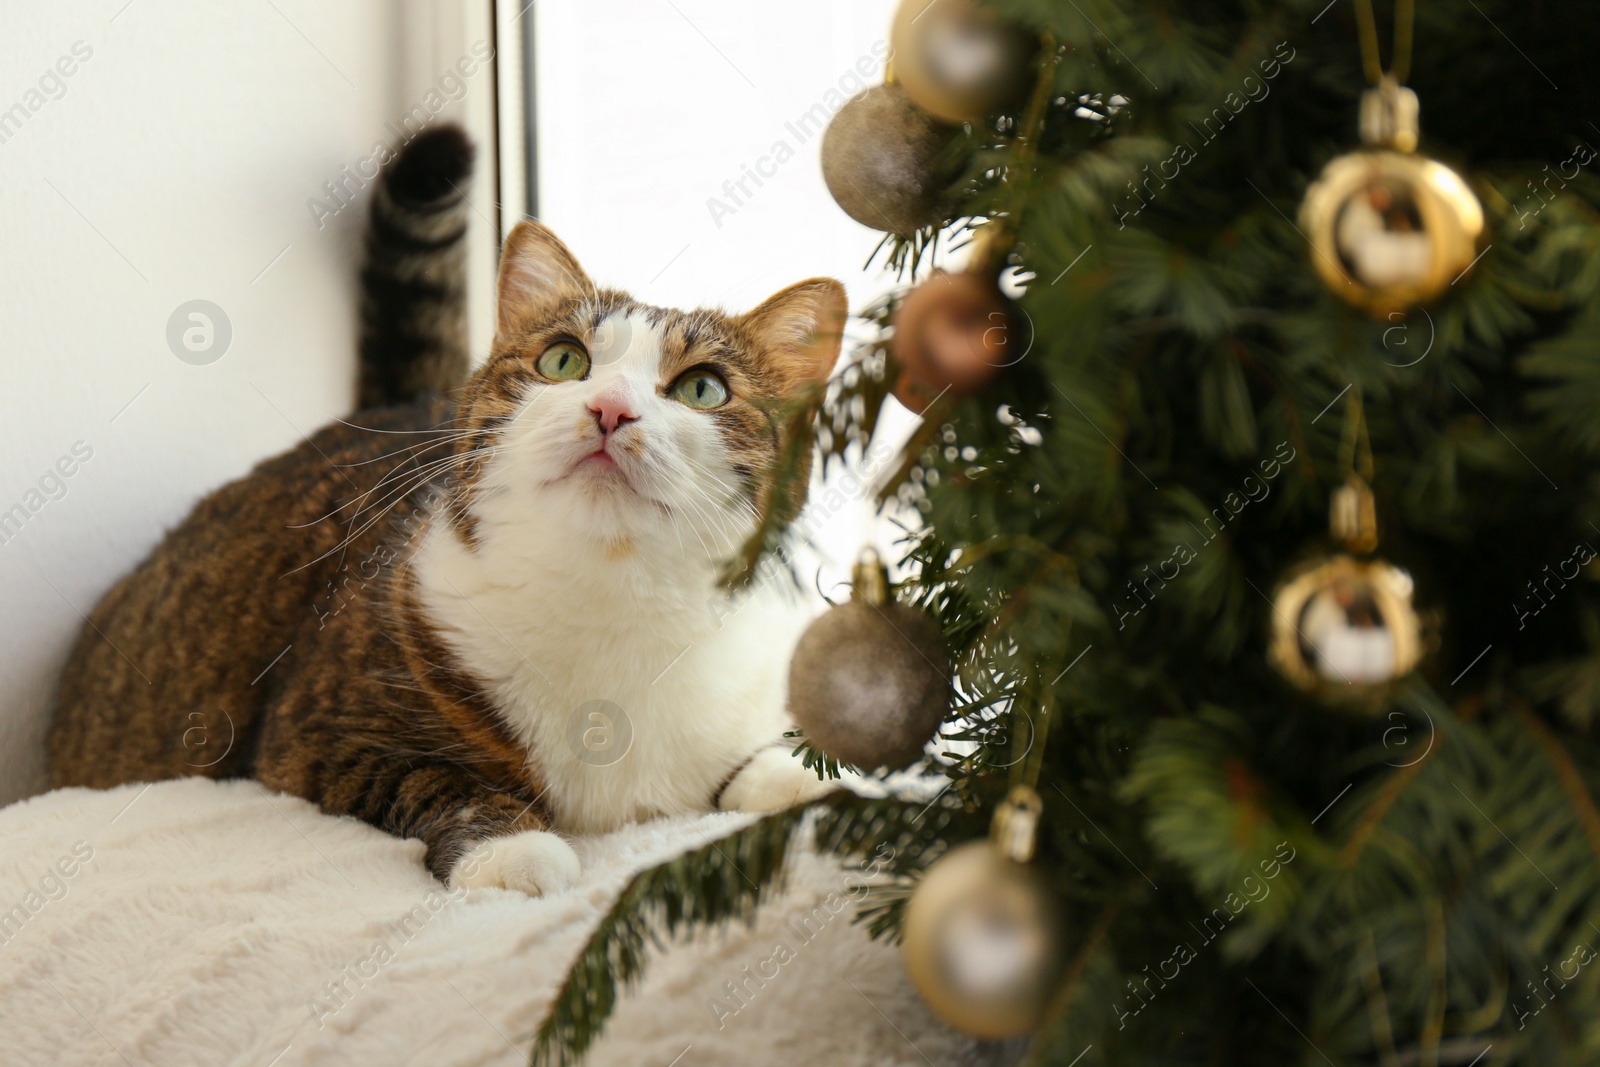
(982, 942)
(870, 683)
(886, 162)
(957, 61)
(952, 334)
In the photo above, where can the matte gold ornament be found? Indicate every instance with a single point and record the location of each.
(982, 937)
(1390, 229)
(952, 334)
(870, 679)
(887, 162)
(957, 61)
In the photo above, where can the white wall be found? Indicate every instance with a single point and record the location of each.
(176, 165)
(646, 108)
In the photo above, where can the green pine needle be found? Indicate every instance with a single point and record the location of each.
(721, 881)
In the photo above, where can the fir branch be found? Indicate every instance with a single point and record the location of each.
(1377, 1002)
(793, 425)
(913, 452)
(813, 758)
(884, 912)
(904, 835)
(1567, 774)
(1373, 816)
(726, 879)
(1437, 999)
(1061, 1004)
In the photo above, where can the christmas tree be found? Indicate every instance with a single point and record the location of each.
(1311, 792)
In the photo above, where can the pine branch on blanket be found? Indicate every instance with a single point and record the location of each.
(901, 838)
(724, 880)
(727, 879)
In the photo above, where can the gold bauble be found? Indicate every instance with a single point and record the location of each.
(887, 162)
(1390, 229)
(957, 61)
(1345, 628)
(982, 941)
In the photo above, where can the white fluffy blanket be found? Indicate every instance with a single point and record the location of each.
(205, 923)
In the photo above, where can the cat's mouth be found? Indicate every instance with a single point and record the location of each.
(600, 465)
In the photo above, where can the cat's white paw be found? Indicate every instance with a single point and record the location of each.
(774, 779)
(533, 862)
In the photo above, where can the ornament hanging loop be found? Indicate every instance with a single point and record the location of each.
(1355, 447)
(1405, 12)
(1353, 515)
(869, 579)
(1389, 116)
(1016, 823)
(990, 247)
(995, 238)
(1352, 510)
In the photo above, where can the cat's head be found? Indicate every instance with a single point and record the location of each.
(622, 418)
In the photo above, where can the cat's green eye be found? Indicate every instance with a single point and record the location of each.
(564, 362)
(700, 389)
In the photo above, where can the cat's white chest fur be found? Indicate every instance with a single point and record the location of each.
(635, 685)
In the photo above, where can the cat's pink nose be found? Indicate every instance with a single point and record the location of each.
(612, 409)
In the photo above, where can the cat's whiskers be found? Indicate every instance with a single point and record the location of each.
(672, 517)
(443, 470)
(354, 500)
(713, 528)
(695, 529)
(413, 479)
(441, 428)
(701, 525)
(422, 446)
(720, 509)
(656, 476)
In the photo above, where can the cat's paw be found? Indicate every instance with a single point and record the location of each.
(533, 862)
(774, 779)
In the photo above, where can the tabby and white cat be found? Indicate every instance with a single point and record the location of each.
(421, 619)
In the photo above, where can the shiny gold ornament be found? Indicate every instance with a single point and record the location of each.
(982, 936)
(1344, 627)
(1390, 229)
(957, 61)
(870, 682)
(887, 162)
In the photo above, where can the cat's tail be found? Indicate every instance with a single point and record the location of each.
(414, 282)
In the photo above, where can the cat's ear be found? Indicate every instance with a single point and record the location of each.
(537, 272)
(802, 328)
